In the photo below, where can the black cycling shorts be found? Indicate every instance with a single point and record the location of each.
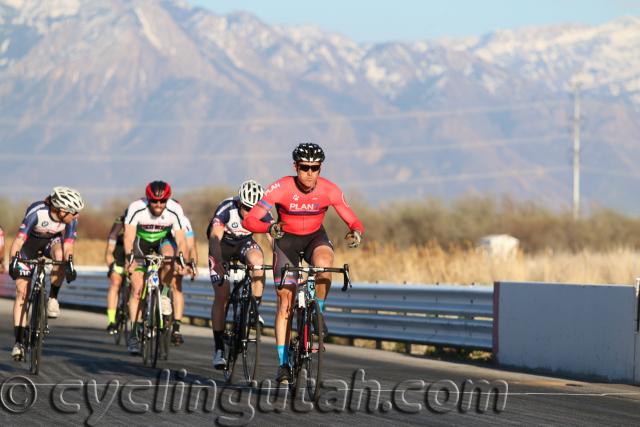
(287, 251)
(33, 248)
(233, 249)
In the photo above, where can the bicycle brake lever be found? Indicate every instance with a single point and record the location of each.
(347, 279)
(283, 274)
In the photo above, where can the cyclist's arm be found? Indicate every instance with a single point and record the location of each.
(69, 239)
(215, 250)
(129, 237)
(254, 221)
(344, 210)
(29, 221)
(111, 242)
(181, 241)
(192, 248)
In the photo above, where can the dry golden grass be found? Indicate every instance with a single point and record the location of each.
(431, 264)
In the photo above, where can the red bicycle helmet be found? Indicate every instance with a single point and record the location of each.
(158, 190)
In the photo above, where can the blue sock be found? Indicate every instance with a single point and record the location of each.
(321, 305)
(282, 354)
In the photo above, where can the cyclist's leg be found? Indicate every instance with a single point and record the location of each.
(251, 253)
(116, 277)
(136, 280)
(222, 289)
(115, 281)
(285, 252)
(55, 252)
(23, 287)
(319, 252)
(171, 278)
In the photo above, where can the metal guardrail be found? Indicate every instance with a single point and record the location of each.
(441, 315)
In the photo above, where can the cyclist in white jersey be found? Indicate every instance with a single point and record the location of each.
(148, 224)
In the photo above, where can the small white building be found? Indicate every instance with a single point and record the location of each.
(499, 245)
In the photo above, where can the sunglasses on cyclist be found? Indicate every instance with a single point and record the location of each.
(158, 202)
(306, 168)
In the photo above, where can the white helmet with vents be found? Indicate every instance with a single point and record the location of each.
(67, 199)
(250, 192)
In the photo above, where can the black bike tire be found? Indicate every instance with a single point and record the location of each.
(38, 314)
(122, 318)
(314, 351)
(231, 344)
(154, 327)
(250, 312)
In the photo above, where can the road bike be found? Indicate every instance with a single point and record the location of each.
(242, 334)
(156, 311)
(37, 309)
(306, 347)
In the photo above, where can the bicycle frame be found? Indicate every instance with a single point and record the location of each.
(152, 317)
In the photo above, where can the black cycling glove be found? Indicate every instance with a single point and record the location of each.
(70, 271)
(14, 270)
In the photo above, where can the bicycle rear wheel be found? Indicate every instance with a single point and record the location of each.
(122, 315)
(165, 337)
(251, 331)
(36, 329)
(311, 341)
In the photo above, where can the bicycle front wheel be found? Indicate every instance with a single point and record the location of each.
(37, 328)
(251, 330)
(311, 341)
(231, 344)
(151, 335)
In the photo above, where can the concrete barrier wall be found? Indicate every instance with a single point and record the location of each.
(583, 330)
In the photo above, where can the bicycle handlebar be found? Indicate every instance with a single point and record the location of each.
(312, 270)
(242, 267)
(42, 260)
(165, 258)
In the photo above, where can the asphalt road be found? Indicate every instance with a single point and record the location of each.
(86, 379)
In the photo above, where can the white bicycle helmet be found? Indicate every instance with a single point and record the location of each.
(67, 199)
(250, 192)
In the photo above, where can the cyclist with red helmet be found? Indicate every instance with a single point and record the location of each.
(301, 202)
(147, 227)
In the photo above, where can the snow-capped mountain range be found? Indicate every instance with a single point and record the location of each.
(116, 92)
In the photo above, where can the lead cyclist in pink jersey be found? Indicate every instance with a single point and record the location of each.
(301, 202)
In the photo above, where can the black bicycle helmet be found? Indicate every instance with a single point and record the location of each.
(308, 152)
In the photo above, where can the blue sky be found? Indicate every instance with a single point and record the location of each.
(383, 20)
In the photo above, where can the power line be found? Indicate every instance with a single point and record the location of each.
(414, 148)
(540, 171)
(128, 122)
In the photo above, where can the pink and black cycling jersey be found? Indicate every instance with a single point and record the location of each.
(38, 224)
(302, 213)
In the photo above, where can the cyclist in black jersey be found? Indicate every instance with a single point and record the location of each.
(227, 240)
(48, 228)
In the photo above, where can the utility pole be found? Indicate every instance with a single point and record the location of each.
(576, 152)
